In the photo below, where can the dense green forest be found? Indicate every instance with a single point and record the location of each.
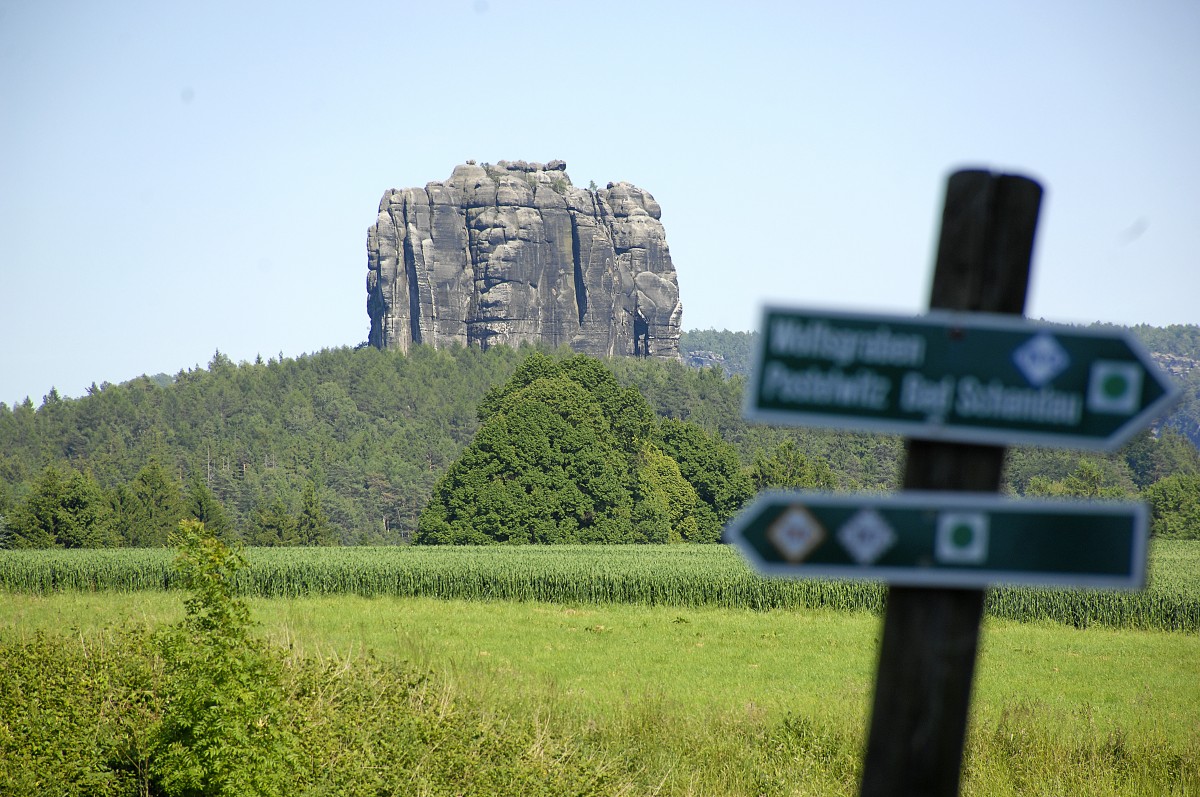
(347, 446)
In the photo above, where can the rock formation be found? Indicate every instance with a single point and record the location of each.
(513, 252)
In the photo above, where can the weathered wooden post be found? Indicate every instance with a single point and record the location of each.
(962, 383)
(931, 636)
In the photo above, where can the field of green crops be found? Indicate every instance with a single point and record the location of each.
(681, 575)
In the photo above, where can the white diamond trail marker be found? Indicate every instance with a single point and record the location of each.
(1041, 358)
(796, 533)
(866, 536)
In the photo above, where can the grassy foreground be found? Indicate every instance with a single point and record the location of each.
(530, 697)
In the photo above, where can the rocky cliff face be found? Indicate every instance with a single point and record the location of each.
(512, 252)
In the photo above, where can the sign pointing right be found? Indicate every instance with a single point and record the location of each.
(963, 377)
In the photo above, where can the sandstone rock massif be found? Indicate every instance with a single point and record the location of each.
(513, 252)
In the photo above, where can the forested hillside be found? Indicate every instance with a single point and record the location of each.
(369, 431)
(345, 446)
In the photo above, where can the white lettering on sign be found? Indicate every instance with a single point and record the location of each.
(814, 386)
(819, 340)
(994, 400)
(931, 398)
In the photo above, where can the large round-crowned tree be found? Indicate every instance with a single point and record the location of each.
(565, 454)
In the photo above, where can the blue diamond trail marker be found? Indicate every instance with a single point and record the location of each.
(955, 377)
(944, 539)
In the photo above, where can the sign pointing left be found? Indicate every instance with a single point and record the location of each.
(944, 539)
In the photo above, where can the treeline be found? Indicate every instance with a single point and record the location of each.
(365, 433)
(346, 446)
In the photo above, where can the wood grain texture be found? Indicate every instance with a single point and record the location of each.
(931, 636)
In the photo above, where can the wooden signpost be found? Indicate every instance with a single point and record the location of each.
(961, 407)
(923, 690)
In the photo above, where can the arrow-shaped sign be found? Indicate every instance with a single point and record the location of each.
(956, 377)
(944, 539)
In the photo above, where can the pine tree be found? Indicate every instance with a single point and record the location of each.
(200, 504)
(312, 527)
(66, 509)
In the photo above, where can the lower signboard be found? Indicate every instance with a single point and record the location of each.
(944, 539)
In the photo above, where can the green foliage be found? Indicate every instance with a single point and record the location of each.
(195, 709)
(65, 509)
(221, 731)
(376, 430)
(1151, 457)
(1088, 480)
(735, 348)
(710, 465)
(313, 527)
(566, 454)
(787, 468)
(665, 506)
(76, 716)
(1175, 506)
(149, 508)
(272, 524)
(1050, 472)
(543, 468)
(203, 507)
(1182, 340)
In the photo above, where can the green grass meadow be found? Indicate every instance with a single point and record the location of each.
(653, 699)
(720, 701)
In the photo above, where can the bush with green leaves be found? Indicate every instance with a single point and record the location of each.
(543, 468)
(565, 454)
(222, 730)
(1175, 507)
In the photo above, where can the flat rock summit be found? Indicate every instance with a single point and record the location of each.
(511, 252)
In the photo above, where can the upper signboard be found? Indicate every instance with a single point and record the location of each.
(957, 377)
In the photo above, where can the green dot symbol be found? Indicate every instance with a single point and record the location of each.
(1115, 386)
(961, 535)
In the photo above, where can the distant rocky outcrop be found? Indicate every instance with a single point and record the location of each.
(513, 252)
(1175, 364)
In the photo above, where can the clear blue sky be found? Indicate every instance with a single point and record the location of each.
(177, 178)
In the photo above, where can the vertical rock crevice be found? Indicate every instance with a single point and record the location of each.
(581, 299)
(414, 294)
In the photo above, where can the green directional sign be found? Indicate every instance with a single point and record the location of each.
(964, 377)
(944, 539)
